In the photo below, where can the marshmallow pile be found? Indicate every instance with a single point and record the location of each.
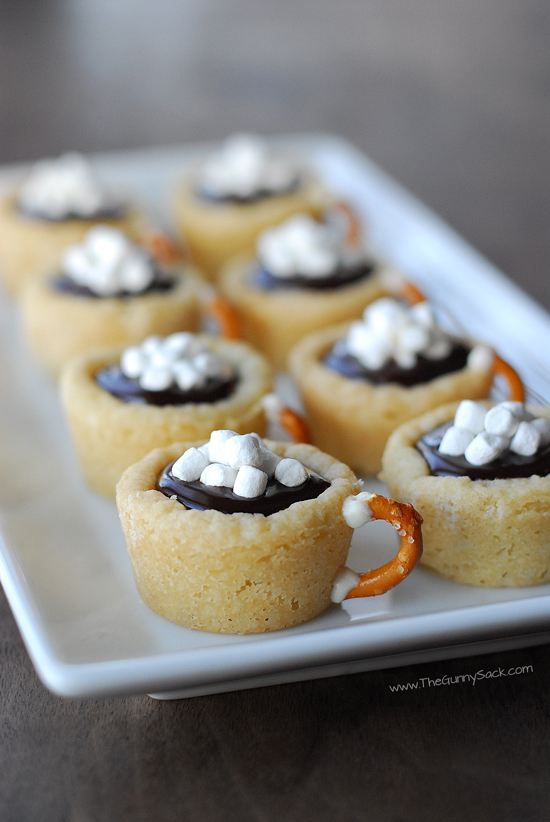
(108, 263)
(240, 462)
(392, 330)
(482, 436)
(301, 246)
(246, 166)
(65, 187)
(182, 360)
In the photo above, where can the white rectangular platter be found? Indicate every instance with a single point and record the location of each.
(63, 561)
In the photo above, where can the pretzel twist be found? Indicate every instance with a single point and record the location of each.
(294, 425)
(217, 309)
(353, 236)
(407, 521)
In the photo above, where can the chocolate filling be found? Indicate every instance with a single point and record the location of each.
(275, 498)
(342, 276)
(110, 213)
(161, 282)
(425, 369)
(507, 466)
(239, 199)
(129, 390)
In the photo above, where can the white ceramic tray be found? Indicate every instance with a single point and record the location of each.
(63, 561)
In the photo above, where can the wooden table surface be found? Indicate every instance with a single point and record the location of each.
(452, 100)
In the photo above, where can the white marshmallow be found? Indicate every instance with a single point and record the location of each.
(183, 343)
(346, 580)
(518, 409)
(132, 362)
(219, 475)
(186, 375)
(501, 421)
(290, 472)
(423, 314)
(356, 510)
(243, 450)
(543, 427)
(250, 482)
(386, 315)
(480, 358)
(210, 365)
(471, 415)
(526, 440)
(439, 349)
(455, 441)
(218, 442)
(485, 448)
(190, 465)
(269, 462)
(156, 379)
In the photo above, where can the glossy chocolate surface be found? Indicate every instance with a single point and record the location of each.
(342, 276)
(507, 466)
(276, 497)
(161, 282)
(129, 390)
(424, 370)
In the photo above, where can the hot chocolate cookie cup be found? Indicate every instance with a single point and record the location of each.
(237, 573)
(352, 418)
(31, 247)
(215, 231)
(492, 533)
(60, 326)
(110, 434)
(275, 320)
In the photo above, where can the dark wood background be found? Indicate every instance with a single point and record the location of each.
(452, 99)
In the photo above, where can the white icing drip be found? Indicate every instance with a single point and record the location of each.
(246, 166)
(108, 263)
(64, 187)
(392, 330)
(301, 246)
(181, 359)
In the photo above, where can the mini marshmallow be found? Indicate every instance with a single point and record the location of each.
(485, 448)
(526, 440)
(269, 462)
(438, 350)
(243, 450)
(471, 416)
(356, 510)
(518, 409)
(183, 343)
(501, 421)
(543, 427)
(218, 441)
(219, 475)
(423, 314)
(346, 580)
(455, 441)
(250, 482)
(190, 466)
(290, 472)
(480, 358)
(156, 379)
(186, 375)
(132, 362)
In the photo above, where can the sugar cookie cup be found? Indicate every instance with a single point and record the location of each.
(110, 434)
(352, 418)
(31, 247)
(238, 573)
(216, 231)
(60, 326)
(492, 533)
(274, 321)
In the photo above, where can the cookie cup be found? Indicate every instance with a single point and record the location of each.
(353, 419)
(216, 231)
(275, 320)
(235, 573)
(109, 434)
(492, 533)
(31, 248)
(60, 326)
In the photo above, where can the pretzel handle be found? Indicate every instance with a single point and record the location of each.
(353, 235)
(407, 521)
(217, 310)
(162, 247)
(294, 425)
(515, 385)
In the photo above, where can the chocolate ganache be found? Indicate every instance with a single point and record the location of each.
(340, 277)
(161, 283)
(129, 390)
(426, 369)
(107, 213)
(507, 466)
(203, 193)
(202, 497)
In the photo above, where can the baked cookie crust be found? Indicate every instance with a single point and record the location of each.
(216, 231)
(109, 434)
(492, 533)
(238, 573)
(353, 419)
(274, 321)
(59, 326)
(31, 248)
